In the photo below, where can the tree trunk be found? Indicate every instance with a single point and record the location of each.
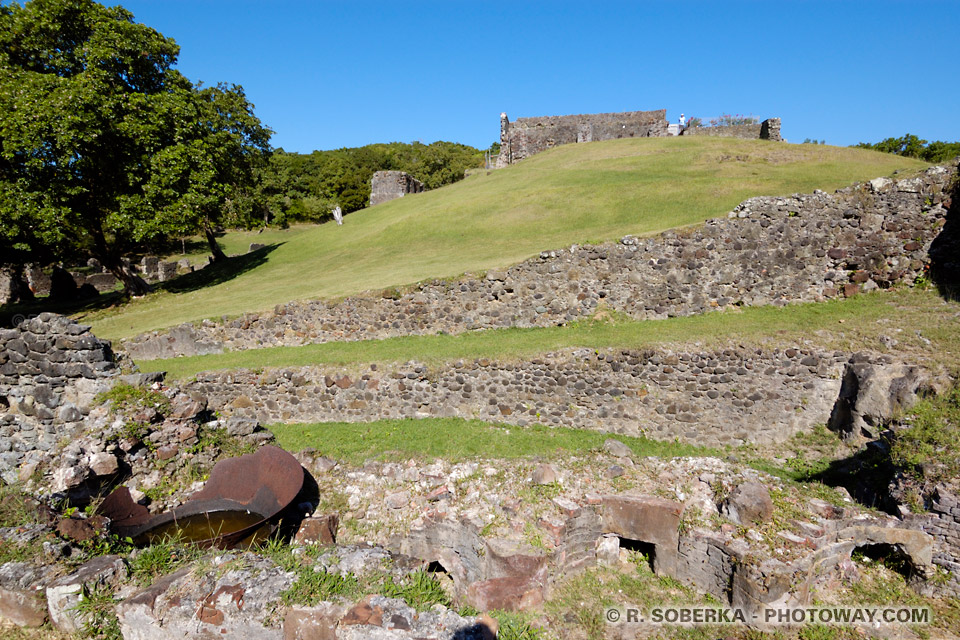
(133, 285)
(218, 254)
(19, 289)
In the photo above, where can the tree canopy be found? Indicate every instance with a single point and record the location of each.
(309, 186)
(913, 147)
(104, 146)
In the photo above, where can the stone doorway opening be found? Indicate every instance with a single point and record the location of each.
(646, 550)
(890, 556)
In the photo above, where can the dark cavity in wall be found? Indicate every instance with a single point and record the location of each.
(647, 549)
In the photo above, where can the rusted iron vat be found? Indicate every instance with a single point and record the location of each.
(263, 483)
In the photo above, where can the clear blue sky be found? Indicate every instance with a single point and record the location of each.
(325, 75)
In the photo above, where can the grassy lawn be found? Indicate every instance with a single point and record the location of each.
(571, 194)
(235, 242)
(457, 439)
(849, 324)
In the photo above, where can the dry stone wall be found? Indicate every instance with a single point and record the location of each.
(710, 398)
(528, 136)
(769, 250)
(50, 369)
(766, 130)
(943, 523)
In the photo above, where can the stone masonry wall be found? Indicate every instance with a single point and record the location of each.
(769, 250)
(528, 136)
(943, 523)
(711, 397)
(390, 185)
(50, 369)
(766, 130)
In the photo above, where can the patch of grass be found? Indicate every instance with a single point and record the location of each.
(20, 552)
(15, 507)
(456, 439)
(851, 324)
(929, 449)
(313, 586)
(516, 626)
(9, 631)
(234, 242)
(420, 590)
(569, 194)
(97, 608)
(576, 607)
(229, 446)
(160, 559)
(127, 397)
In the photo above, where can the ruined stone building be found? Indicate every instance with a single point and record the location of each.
(528, 136)
(525, 137)
(389, 185)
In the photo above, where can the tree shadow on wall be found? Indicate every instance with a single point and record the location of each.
(219, 272)
(945, 249)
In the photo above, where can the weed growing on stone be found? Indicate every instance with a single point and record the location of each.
(14, 509)
(97, 609)
(929, 449)
(20, 551)
(420, 590)
(516, 626)
(128, 397)
(316, 585)
(161, 558)
(219, 439)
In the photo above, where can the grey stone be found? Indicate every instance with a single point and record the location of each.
(749, 503)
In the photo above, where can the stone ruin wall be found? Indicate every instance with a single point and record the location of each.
(769, 250)
(943, 523)
(390, 185)
(712, 398)
(766, 130)
(50, 370)
(528, 136)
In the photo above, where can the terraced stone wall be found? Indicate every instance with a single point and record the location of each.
(769, 250)
(711, 398)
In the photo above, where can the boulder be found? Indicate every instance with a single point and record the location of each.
(64, 594)
(235, 604)
(22, 586)
(104, 464)
(544, 474)
(617, 448)
(749, 503)
(312, 623)
(872, 393)
(318, 530)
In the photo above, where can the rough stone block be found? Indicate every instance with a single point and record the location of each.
(646, 519)
(64, 594)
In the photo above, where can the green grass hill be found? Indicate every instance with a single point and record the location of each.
(571, 194)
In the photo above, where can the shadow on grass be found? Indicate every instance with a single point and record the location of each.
(866, 475)
(219, 272)
(12, 315)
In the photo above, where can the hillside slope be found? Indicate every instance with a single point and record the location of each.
(572, 194)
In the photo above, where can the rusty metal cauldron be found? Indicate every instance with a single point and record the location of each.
(255, 488)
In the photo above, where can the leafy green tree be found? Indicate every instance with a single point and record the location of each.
(308, 186)
(913, 147)
(104, 146)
